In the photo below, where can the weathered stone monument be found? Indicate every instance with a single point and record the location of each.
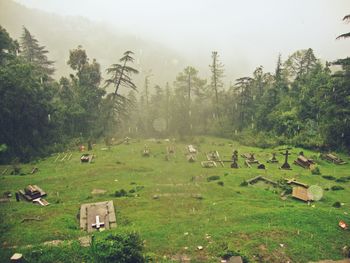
(285, 165)
(273, 159)
(97, 216)
(234, 163)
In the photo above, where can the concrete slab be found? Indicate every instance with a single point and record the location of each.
(105, 212)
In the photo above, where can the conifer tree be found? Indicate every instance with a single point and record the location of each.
(120, 77)
(33, 53)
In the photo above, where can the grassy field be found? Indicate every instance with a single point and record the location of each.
(253, 220)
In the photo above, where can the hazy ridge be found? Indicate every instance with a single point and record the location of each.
(60, 34)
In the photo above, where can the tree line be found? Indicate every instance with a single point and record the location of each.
(303, 102)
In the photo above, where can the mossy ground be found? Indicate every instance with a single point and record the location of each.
(252, 220)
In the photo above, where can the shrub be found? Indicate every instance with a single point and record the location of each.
(244, 183)
(337, 187)
(221, 183)
(120, 247)
(337, 204)
(288, 190)
(213, 178)
(120, 193)
(343, 179)
(316, 170)
(151, 257)
(328, 177)
(139, 188)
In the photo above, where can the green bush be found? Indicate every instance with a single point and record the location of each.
(337, 187)
(288, 190)
(213, 178)
(328, 177)
(244, 183)
(221, 183)
(151, 257)
(343, 179)
(337, 204)
(316, 171)
(139, 188)
(120, 247)
(120, 193)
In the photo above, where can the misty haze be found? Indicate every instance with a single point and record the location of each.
(174, 131)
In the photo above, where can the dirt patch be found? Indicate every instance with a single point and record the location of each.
(4, 200)
(98, 191)
(181, 258)
(53, 243)
(85, 241)
(275, 256)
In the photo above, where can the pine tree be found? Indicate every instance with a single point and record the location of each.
(8, 46)
(243, 90)
(33, 53)
(186, 83)
(217, 71)
(121, 77)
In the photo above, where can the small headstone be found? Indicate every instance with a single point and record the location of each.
(235, 259)
(234, 163)
(261, 166)
(34, 170)
(146, 151)
(17, 257)
(191, 158)
(273, 159)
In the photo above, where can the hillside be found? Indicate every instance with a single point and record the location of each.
(101, 41)
(177, 206)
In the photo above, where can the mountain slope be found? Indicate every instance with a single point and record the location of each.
(60, 34)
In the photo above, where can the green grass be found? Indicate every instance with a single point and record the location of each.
(252, 220)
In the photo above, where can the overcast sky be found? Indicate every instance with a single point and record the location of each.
(245, 32)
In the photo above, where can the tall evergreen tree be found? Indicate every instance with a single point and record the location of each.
(187, 83)
(120, 77)
(243, 89)
(217, 74)
(32, 52)
(8, 46)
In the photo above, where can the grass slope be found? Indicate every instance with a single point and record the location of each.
(252, 220)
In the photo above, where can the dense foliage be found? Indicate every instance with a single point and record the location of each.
(123, 248)
(303, 103)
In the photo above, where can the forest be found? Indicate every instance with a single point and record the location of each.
(305, 102)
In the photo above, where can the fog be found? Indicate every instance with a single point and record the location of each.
(245, 33)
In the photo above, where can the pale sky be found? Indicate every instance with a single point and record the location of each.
(245, 32)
